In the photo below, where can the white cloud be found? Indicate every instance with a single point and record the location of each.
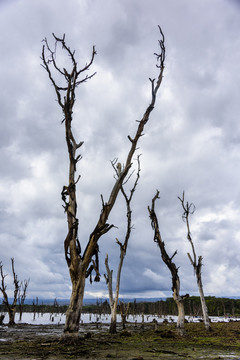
(191, 142)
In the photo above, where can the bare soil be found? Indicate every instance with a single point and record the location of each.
(37, 342)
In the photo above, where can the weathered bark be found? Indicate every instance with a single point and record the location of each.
(179, 299)
(81, 265)
(75, 307)
(188, 209)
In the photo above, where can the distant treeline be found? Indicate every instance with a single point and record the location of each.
(216, 307)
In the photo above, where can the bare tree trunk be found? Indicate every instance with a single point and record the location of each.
(124, 312)
(188, 209)
(11, 314)
(113, 324)
(113, 301)
(181, 313)
(81, 265)
(179, 299)
(204, 305)
(74, 310)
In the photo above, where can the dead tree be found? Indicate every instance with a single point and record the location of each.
(113, 300)
(179, 299)
(189, 209)
(22, 296)
(124, 309)
(11, 308)
(82, 264)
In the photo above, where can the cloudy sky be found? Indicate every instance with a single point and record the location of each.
(191, 143)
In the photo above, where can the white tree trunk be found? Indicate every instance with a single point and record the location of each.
(113, 325)
(203, 303)
(181, 313)
(113, 301)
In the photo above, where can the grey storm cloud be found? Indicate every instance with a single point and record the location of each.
(191, 143)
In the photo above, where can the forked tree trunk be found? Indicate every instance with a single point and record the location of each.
(81, 265)
(113, 301)
(11, 308)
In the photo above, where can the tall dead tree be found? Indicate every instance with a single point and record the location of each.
(11, 308)
(179, 299)
(81, 264)
(113, 299)
(189, 209)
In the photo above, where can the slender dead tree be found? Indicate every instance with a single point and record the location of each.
(11, 308)
(179, 299)
(189, 209)
(22, 296)
(113, 300)
(82, 264)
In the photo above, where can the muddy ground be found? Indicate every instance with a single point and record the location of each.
(44, 342)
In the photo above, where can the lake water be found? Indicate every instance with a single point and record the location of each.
(56, 318)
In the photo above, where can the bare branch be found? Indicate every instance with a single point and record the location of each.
(188, 209)
(106, 209)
